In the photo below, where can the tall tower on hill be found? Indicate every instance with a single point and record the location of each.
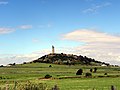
(53, 49)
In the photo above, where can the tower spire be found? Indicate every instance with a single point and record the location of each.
(53, 49)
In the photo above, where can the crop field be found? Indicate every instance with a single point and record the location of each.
(64, 76)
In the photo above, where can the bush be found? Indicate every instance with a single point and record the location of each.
(1, 66)
(95, 70)
(88, 75)
(24, 63)
(50, 65)
(79, 72)
(14, 64)
(91, 70)
(47, 76)
(105, 74)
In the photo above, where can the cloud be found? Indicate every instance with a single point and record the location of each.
(6, 30)
(85, 35)
(95, 8)
(35, 40)
(26, 27)
(45, 25)
(13, 58)
(98, 45)
(20, 58)
(3, 3)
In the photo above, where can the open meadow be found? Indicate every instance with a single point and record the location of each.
(64, 76)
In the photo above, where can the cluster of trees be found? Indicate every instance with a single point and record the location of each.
(12, 64)
(95, 70)
(68, 59)
(80, 72)
(1, 66)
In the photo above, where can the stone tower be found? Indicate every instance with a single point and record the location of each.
(53, 49)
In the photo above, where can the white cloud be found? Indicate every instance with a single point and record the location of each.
(13, 58)
(98, 45)
(45, 25)
(26, 27)
(3, 3)
(86, 35)
(95, 8)
(6, 30)
(20, 58)
(35, 40)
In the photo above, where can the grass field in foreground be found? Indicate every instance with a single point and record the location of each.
(85, 84)
(34, 71)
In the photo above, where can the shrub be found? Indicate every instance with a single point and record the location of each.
(105, 74)
(24, 63)
(1, 66)
(91, 70)
(50, 65)
(47, 76)
(95, 70)
(14, 64)
(79, 72)
(100, 76)
(88, 75)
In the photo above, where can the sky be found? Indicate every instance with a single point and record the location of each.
(29, 28)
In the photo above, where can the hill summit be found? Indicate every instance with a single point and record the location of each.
(68, 59)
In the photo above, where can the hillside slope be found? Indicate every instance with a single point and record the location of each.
(68, 59)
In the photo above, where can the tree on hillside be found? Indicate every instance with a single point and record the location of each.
(95, 70)
(88, 75)
(79, 72)
(91, 70)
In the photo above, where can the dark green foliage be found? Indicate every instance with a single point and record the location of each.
(1, 66)
(50, 65)
(47, 76)
(68, 59)
(79, 72)
(105, 74)
(88, 75)
(24, 63)
(14, 64)
(95, 70)
(113, 87)
(91, 70)
(2, 77)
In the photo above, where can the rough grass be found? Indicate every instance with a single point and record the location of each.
(86, 84)
(35, 72)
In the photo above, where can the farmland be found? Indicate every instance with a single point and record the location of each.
(64, 76)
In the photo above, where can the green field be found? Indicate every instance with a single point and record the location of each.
(63, 76)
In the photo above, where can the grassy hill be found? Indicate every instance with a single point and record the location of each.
(62, 68)
(69, 59)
